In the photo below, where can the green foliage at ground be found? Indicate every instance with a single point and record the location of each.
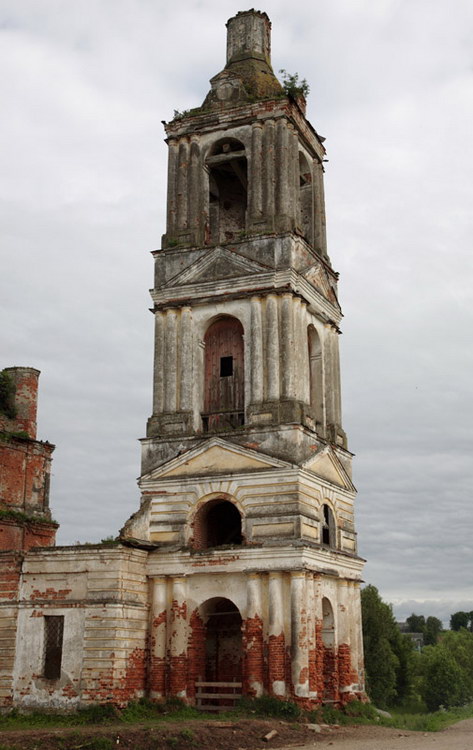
(269, 706)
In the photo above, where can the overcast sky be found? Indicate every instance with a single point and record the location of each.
(84, 88)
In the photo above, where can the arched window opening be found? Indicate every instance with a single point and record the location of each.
(306, 202)
(223, 641)
(224, 378)
(328, 526)
(217, 523)
(228, 191)
(315, 378)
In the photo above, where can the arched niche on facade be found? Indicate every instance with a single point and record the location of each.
(228, 191)
(306, 199)
(223, 640)
(328, 527)
(328, 624)
(217, 523)
(224, 375)
(330, 676)
(315, 376)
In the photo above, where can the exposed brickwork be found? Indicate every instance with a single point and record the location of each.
(25, 400)
(318, 664)
(276, 659)
(330, 675)
(196, 652)
(347, 675)
(50, 593)
(253, 670)
(25, 465)
(177, 675)
(108, 686)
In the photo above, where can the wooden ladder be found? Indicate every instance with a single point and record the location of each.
(217, 696)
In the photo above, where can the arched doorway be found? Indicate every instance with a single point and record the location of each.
(224, 377)
(223, 640)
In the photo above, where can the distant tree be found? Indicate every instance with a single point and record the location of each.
(444, 680)
(460, 620)
(388, 654)
(416, 623)
(433, 628)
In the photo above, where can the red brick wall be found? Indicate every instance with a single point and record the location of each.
(253, 650)
(26, 401)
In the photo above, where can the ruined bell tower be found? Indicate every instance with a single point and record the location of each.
(247, 499)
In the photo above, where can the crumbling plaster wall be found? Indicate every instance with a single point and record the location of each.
(102, 595)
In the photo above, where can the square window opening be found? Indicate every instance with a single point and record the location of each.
(226, 367)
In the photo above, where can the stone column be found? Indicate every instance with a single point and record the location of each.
(272, 348)
(172, 186)
(320, 240)
(311, 636)
(254, 667)
(194, 194)
(186, 369)
(287, 343)
(256, 184)
(268, 172)
(178, 639)
(294, 187)
(157, 673)
(305, 364)
(170, 363)
(276, 644)
(182, 180)
(158, 386)
(282, 164)
(299, 649)
(298, 380)
(256, 351)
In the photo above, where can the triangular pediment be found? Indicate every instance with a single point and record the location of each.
(219, 263)
(216, 456)
(326, 465)
(317, 276)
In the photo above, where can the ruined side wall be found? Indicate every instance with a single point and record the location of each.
(102, 595)
(10, 571)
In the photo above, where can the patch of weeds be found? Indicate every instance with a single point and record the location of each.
(187, 735)
(100, 743)
(103, 713)
(172, 741)
(266, 705)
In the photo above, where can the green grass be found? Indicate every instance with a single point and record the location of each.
(411, 716)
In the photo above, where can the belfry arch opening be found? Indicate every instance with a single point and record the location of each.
(228, 191)
(216, 524)
(223, 640)
(224, 383)
(316, 394)
(328, 535)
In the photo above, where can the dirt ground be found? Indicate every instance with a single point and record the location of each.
(236, 735)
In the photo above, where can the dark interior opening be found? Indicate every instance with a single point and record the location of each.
(223, 643)
(328, 527)
(223, 525)
(226, 367)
